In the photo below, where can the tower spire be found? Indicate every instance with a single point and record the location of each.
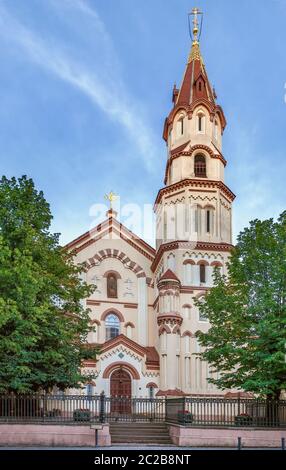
(195, 34)
(195, 89)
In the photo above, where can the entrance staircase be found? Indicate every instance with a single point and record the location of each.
(156, 433)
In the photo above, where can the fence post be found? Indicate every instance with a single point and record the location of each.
(239, 443)
(184, 410)
(44, 407)
(102, 407)
(283, 443)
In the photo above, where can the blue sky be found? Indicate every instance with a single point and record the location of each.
(85, 86)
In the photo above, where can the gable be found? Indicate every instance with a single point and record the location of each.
(111, 230)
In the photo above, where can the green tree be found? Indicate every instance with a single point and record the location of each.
(247, 311)
(43, 324)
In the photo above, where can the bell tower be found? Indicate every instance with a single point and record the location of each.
(193, 217)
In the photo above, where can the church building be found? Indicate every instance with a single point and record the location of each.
(143, 307)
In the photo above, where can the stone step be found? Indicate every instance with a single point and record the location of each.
(140, 433)
(155, 428)
(139, 440)
(138, 426)
(144, 436)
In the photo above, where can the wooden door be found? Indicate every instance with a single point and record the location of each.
(120, 391)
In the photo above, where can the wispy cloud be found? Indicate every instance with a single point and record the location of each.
(105, 91)
(252, 172)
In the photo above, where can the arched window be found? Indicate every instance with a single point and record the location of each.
(180, 127)
(187, 272)
(202, 273)
(201, 123)
(111, 285)
(89, 390)
(202, 316)
(187, 344)
(187, 312)
(178, 341)
(216, 130)
(208, 221)
(200, 166)
(163, 341)
(198, 219)
(171, 262)
(112, 326)
(129, 327)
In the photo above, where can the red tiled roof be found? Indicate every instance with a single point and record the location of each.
(169, 275)
(170, 393)
(239, 395)
(152, 357)
(180, 148)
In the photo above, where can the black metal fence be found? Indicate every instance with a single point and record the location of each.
(78, 409)
(215, 412)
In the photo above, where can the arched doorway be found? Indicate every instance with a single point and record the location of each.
(120, 384)
(120, 390)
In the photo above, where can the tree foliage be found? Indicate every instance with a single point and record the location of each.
(247, 311)
(43, 324)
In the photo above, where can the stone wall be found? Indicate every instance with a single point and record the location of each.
(52, 435)
(216, 437)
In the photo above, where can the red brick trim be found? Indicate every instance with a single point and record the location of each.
(118, 365)
(185, 245)
(194, 184)
(176, 330)
(96, 303)
(122, 339)
(111, 271)
(112, 310)
(164, 329)
(151, 384)
(202, 262)
(217, 264)
(108, 226)
(188, 333)
(189, 261)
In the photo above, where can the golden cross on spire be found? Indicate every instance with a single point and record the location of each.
(111, 197)
(195, 12)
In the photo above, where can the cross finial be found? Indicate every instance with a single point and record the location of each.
(195, 13)
(111, 197)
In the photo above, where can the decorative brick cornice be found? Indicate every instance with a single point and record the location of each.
(172, 318)
(185, 245)
(195, 184)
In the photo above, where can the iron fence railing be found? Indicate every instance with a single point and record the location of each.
(206, 412)
(215, 412)
(78, 409)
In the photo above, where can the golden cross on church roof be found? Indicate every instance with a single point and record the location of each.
(195, 12)
(111, 197)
